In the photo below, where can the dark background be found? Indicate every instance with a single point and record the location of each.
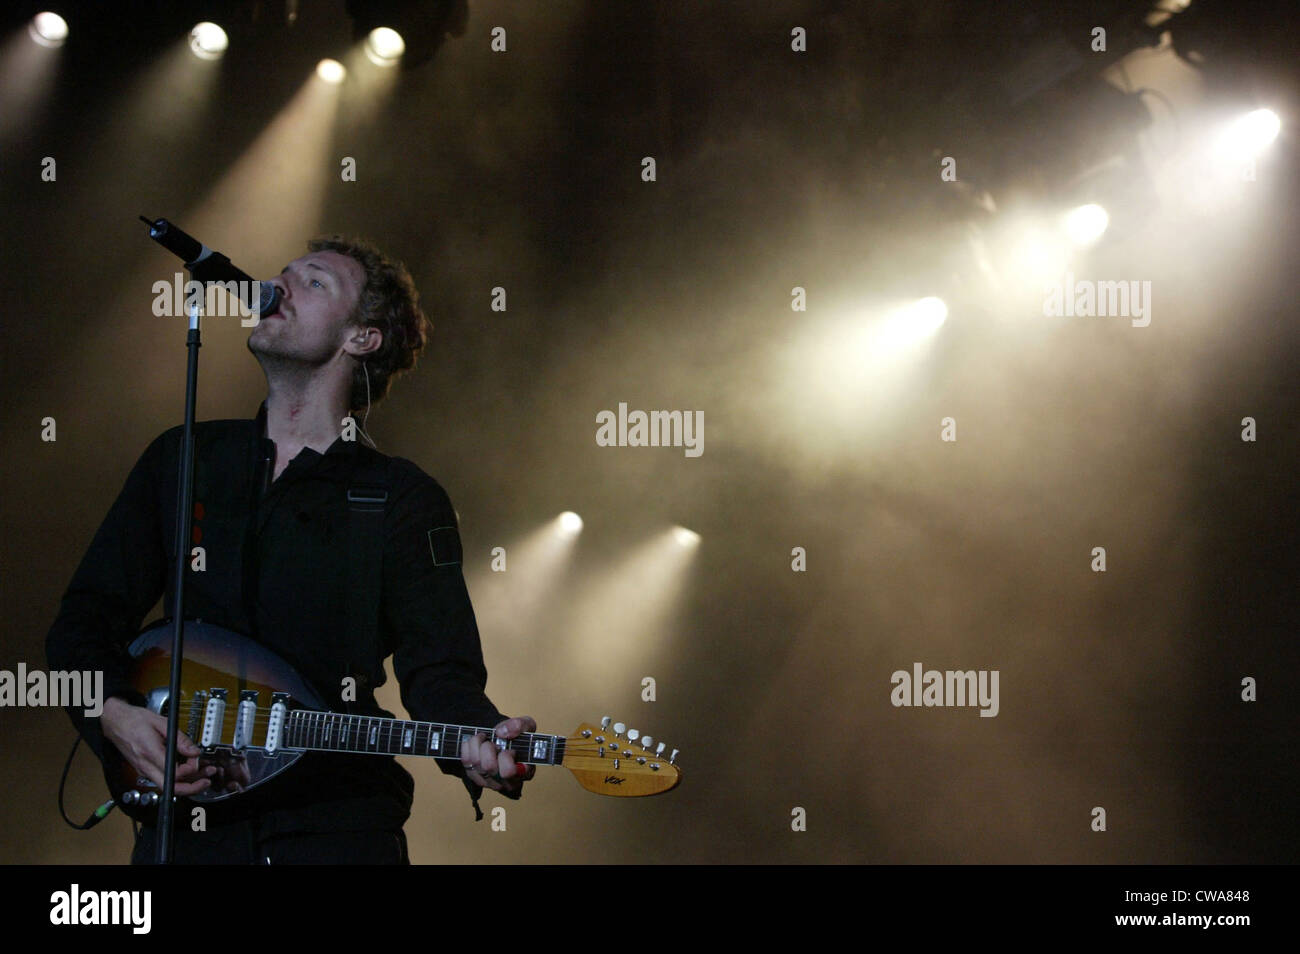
(775, 169)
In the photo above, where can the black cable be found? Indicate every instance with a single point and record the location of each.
(98, 815)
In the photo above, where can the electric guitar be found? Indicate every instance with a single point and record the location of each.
(253, 717)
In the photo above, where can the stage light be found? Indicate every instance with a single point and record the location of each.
(928, 314)
(1085, 224)
(331, 71)
(570, 523)
(208, 41)
(686, 538)
(509, 604)
(908, 326)
(49, 29)
(624, 613)
(384, 46)
(408, 32)
(1248, 135)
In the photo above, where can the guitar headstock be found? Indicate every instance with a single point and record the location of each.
(614, 760)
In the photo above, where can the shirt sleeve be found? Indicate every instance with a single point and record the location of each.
(427, 616)
(120, 578)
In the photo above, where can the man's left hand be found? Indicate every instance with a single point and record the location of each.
(497, 770)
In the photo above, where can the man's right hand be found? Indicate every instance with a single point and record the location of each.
(140, 735)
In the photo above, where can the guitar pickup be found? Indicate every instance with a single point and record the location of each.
(214, 719)
(244, 720)
(275, 724)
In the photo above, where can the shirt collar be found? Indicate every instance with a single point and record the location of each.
(340, 446)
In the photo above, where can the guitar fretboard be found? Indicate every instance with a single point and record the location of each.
(339, 732)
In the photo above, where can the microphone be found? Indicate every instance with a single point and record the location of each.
(208, 266)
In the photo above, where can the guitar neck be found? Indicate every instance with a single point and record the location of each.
(378, 735)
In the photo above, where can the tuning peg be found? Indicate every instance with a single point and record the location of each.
(619, 729)
(633, 735)
(604, 722)
(646, 742)
(660, 749)
(672, 759)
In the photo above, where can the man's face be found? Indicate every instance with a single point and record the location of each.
(318, 295)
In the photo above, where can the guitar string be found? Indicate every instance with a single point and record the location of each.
(575, 744)
(263, 714)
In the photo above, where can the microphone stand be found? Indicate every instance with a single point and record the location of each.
(184, 515)
(201, 271)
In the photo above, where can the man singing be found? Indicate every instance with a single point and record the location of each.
(282, 563)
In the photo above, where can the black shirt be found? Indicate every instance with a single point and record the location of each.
(277, 568)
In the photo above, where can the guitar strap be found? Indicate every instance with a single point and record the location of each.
(367, 501)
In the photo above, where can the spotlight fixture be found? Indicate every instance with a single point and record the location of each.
(208, 41)
(419, 26)
(331, 71)
(1249, 135)
(570, 523)
(385, 46)
(929, 313)
(1085, 224)
(48, 29)
(907, 327)
(686, 538)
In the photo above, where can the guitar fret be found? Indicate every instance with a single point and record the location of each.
(340, 732)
